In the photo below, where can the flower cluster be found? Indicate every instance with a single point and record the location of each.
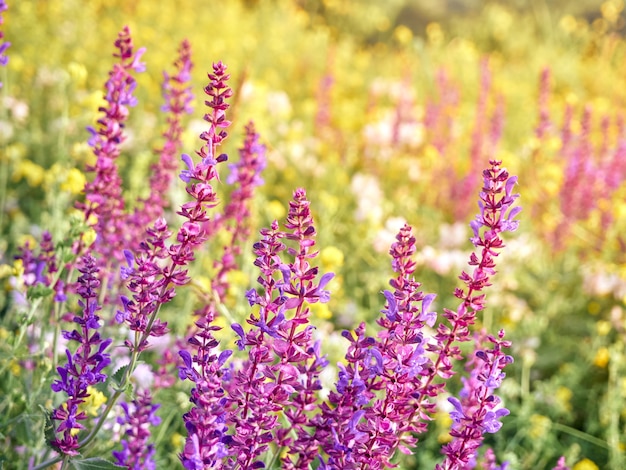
(136, 453)
(4, 45)
(85, 366)
(104, 193)
(478, 411)
(284, 363)
(496, 216)
(156, 267)
(178, 96)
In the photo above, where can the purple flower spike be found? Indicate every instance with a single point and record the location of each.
(478, 411)
(136, 453)
(207, 440)
(104, 193)
(84, 367)
(4, 59)
(283, 367)
(178, 96)
(496, 200)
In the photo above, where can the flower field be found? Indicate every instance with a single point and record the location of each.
(325, 234)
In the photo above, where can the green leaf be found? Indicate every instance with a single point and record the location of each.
(94, 464)
(118, 376)
(48, 428)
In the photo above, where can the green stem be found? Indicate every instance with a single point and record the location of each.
(581, 435)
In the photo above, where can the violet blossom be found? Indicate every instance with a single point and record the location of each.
(496, 216)
(393, 421)
(139, 415)
(156, 268)
(4, 45)
(178, 96)
(283, 366)
(104, 201)
(478, 411)
(207, 441)
(84, 367)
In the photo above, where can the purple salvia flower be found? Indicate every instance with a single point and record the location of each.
(254, 414)
(496, 216)
(283, 367)
(339, 429)
(4, 45)
(178, 96)
(200, 175)
(84, 367)
(139, 415)
(478, 411)
(104, 193)
(246, 175)
(34, 265)
(489, 461)
(207, 441)
(157, 267)
(150, 287)
(393, 420)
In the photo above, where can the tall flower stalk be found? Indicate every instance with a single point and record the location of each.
(85, 366)
(139, 415)
(281, 373)
(479, 410)
(178, 97)
(152, 273)
(104, 205)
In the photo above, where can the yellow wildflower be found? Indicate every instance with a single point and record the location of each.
(89, 236)
(6, 270)
(434, 32)
(15, 368)
(177, 440)
(321, 311)
(539, 426)
(603, 327)
(74, 181)
(93, 402)
(563, 397)
(27, 239)
(331, 257)
(30, 171)
(585, 464)
(276, 210)
(403, 35)
(78, 73)
(602, 358)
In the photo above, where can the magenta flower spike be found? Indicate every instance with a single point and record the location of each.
(138, 417)
(156, 268)
(478, 411)
(282, 371)
(207, 439)
(393, 421)
(178, 96)
(104, 200)
(4, 45)
(84, 367)
(496, 216)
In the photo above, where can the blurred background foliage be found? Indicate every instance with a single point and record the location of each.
(341, 93)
